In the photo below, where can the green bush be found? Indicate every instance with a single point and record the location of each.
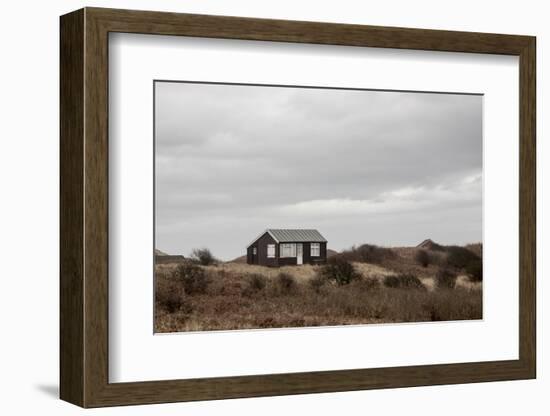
(285, 283)
(339, 270)
(437, 247)
(203, 256)
(193, 278)
(475, 270)
(460, 257)
(368, 253)
(317, 282)
(422, 257)
(255, 283)
(403, 281)
(367, 284)
(445, 279)
(169, 295)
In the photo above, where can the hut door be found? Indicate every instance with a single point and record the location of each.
(299, 254)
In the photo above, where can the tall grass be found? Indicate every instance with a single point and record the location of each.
(192, 277)
(445, 279)
(403, 281)
(367, 253)
(234, 299)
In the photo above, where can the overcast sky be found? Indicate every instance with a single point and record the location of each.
(386, 168)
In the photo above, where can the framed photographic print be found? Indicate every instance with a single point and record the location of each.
(255, 207)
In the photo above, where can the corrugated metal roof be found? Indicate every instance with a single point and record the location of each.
(296, 236)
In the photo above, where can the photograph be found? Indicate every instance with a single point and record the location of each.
(291, 206)
(269, 204)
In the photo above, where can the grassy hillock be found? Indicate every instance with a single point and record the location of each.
(362, 285)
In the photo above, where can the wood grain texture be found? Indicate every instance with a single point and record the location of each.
(162, 23)
(71, 208)
(527, 208)
(96, 219)
(84, 207)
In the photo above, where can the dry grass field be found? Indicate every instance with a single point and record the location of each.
(384, 286)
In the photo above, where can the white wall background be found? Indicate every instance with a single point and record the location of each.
(29, 159)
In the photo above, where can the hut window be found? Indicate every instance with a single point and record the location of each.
(315, 249)
(288, 250)
(271, 250)
(254, 250)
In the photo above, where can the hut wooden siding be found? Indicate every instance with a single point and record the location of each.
(261, 251)
(259, 246)
(307, 259)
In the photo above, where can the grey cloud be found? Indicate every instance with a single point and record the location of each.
(229, 159)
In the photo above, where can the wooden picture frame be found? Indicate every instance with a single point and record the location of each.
(84, 207)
